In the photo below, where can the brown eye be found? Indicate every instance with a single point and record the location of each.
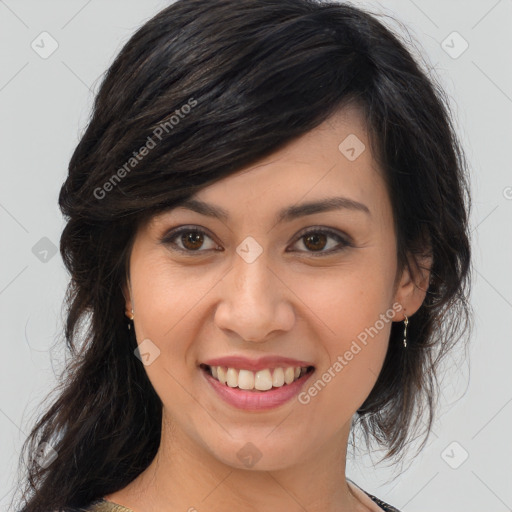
(188, 240)
(316, 240)
(192, 240)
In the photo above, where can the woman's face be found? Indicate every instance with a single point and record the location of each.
(256, 283)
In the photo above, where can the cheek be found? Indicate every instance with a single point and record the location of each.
(169, 302)
(167, 294)
(355, 344)
(359, 324)
(352, 307)
(350, 297)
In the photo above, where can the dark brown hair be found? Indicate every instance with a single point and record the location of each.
(208, 88)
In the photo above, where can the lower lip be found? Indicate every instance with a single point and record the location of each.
(256, 400)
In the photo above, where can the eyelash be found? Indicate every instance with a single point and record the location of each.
(169, 237)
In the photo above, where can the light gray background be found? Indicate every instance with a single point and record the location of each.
(44, 106)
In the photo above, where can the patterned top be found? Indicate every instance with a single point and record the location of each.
(103, 505)
(382, 505)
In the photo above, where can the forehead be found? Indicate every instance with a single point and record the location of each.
(332, 160)
(334, 157)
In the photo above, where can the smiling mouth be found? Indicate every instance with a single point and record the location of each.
(262, 380)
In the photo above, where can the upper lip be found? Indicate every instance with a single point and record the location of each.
(244, 363)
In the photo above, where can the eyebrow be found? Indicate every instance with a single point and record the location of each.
(287, 214)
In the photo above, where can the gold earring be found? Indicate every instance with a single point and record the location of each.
(130, 316)
(406, 321)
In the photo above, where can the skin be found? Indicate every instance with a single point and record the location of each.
(287, 302)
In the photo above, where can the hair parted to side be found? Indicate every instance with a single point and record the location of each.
(256, 74)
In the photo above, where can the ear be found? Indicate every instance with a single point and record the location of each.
(413, 284)
(127, 297)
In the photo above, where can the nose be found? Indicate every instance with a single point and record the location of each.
(255, 302)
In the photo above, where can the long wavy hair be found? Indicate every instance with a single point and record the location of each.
(200, 91)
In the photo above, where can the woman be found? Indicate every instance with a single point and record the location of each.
(268, 244)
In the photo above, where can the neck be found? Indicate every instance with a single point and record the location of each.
(185, 475)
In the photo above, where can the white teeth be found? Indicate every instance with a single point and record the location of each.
(232, 378)
(221, 374)
(289, 375)
(278, 378)
(245, 379)
(262, 380)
